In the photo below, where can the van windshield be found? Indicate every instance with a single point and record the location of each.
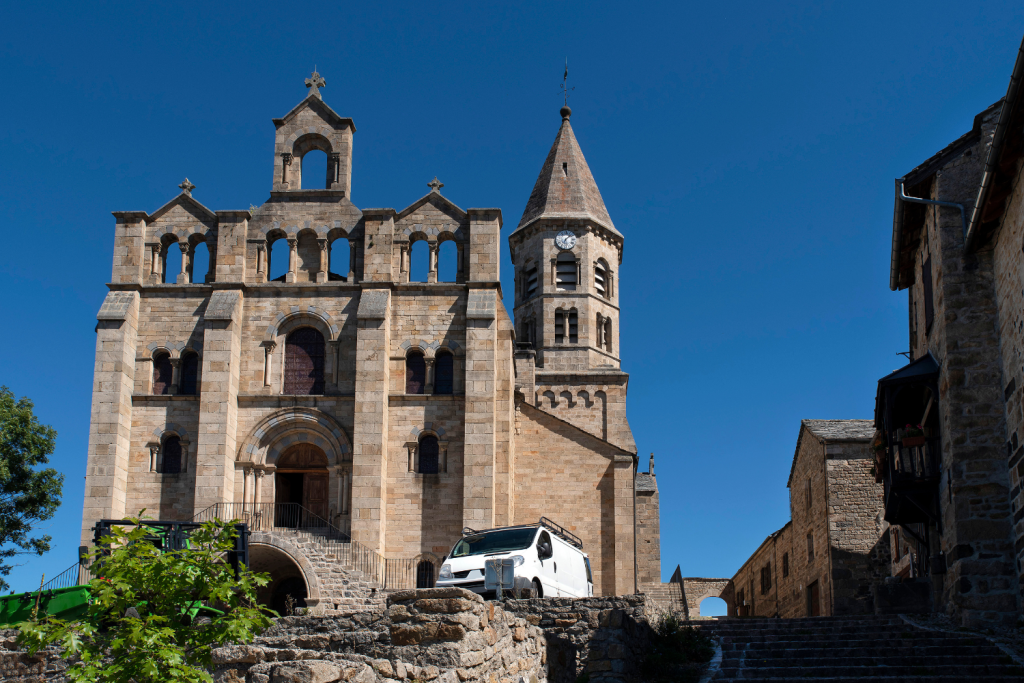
(494, 542)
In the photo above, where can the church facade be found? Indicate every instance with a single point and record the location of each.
(391, 413)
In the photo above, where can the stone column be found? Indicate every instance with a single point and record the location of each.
(183, 275)
(403, 264)
(106, 473)
(175, 376)
(460, 271)
(154, 266)
(261, 262)
(293, 257)
(218, 404)
(351, 260)
(429, 388)
(370, 430)
(432, 274)
(411, 447)
(153, 452)
(286, 162)
(268, 365)
(335, 171)
(442, 466)
(257, 500)
(321, 275)
(246, 488)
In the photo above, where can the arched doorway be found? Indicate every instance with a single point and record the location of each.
(300, 487)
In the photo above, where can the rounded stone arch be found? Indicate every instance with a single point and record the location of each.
(287, 426)
(428, 429)
(153, 348)
(451, 232)
(419, 561)
(274, 547)
(697, 589)
(297, 317)
(584, 396)
(306, 140)
(416, 346)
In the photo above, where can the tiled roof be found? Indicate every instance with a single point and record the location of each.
(841, 430)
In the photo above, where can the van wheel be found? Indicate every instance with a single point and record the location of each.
(538, 592)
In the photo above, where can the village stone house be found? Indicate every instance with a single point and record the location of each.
(391, 413)
(827, 559)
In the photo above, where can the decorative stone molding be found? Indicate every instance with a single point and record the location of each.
(288, 426)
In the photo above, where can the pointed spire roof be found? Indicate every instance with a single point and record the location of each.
(565, 188)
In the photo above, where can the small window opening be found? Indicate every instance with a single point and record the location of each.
(419, 261)
(530, 280)
(425, 574)
(314, 170)
(565, 168)
(199, 267)
(807, 494)
(608, 335)
(444, 370)
(573, 328)
(559, 327)
(415, 373)
(304, 362)
(766, 579)
(338, 260)
(171, 453)
(565, 271)
(447, 261)
(810, 547)
(429, 451)
(277, 267)
(189, 374)
(785, 565)
(172, 262)
(162, 374)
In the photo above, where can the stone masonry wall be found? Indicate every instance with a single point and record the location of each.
(809, 515)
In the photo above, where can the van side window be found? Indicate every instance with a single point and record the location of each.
(544, 540)
(590, 577)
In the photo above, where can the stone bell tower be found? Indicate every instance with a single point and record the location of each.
(566, 253)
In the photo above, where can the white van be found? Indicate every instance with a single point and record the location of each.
(549, 560)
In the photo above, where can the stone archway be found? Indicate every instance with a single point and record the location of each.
(290, 572)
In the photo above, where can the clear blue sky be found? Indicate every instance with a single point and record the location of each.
(745, 150)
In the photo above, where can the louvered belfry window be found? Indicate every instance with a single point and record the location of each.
(601, 278)
(531, 282)
(189, 374)
(415, 373)
(171, 455)
(573, 327)
(444, 373)
(429, 453)
(162, 374)
(304, 362)
(565, 271)
(559, 326)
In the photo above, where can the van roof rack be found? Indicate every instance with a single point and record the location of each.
(557, 529)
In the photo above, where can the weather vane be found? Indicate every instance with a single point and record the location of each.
(565, 80)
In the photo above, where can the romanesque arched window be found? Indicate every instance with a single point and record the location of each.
(601, 278)
(429, 455)
(189, 374)
(444, 373)
(170, 452)
(163, 373)
(304, 362)
(425, 574)
(573, 327)
(415, 373)
(608, 335)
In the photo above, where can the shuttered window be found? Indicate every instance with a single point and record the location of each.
(304, 362)
(766, 579)
(162, 374)
(601, 278)
(415, 373)
(573, 328)
(171, 455)
(189, 374)
(530, 283)
(565, 271)
(929, 305)
(559, 327)
(444, 373)
(428, 455)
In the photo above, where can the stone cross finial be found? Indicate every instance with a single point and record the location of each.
(187, 187)
(315, 82)
(435, 185)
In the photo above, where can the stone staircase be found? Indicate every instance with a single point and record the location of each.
(855, 649)
(343, 587)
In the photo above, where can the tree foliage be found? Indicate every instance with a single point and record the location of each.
(140, 626)
(27, 496)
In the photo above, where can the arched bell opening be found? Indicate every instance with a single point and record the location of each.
(301, 487)
(286, 579)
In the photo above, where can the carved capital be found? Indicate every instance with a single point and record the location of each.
(286, 157)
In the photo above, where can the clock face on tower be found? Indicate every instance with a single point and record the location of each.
(565, 239)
